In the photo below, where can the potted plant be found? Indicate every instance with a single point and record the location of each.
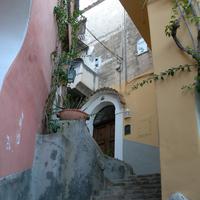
(71, 107)
(61, 103)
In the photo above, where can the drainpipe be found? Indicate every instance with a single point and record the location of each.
(125, 49)
(94, 82)
(122, 63)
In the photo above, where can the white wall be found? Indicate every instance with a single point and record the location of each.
(14, 16)
(95, 104)
(103, 19)
(86, 3)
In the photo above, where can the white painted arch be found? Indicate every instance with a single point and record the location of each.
(14, 18)
(95, 104)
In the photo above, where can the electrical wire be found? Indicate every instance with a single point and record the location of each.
(119, 58)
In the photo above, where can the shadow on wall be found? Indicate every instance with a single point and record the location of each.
(145, 159)
(14, 17)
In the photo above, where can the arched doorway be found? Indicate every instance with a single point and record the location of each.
(104, 129)
(101, 99)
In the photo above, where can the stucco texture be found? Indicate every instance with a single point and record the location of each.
(70, 165)
(25, 89)
(143, 112)
(179, 138)
(177, 123)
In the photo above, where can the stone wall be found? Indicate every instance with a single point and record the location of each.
(135, 64)
(15, 186)
(67, 166)
(113, 27)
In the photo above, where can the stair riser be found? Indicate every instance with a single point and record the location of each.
(134, 188)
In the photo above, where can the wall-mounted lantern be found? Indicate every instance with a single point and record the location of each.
(71, 74)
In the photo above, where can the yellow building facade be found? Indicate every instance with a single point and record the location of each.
(132, 128)
(177, 113)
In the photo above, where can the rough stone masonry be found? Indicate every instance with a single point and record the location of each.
(67, 166)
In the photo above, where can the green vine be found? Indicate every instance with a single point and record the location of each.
(187, 12)
(58, 79)
(63, 21)
(165, 74)
(60, 59)
(60, 12)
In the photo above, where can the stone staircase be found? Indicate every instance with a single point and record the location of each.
(71, 166)
(145, 187)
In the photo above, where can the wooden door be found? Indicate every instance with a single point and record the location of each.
(104, 135)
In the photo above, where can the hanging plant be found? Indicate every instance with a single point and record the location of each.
(60, 59)
(61, 14)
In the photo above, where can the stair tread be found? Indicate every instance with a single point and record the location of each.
(142, 187)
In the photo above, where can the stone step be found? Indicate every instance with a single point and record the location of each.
(145, 187)
(125, 180)
(127, 197)
(120, 197)
(149, 186)
(148, 175)
(132, 193)
(125, 185)
(119, 192)
(154, 193)
(148, 178)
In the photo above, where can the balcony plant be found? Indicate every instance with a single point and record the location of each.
(60, 99)
(71, 107)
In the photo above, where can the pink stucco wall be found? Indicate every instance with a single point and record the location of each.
(25, 90)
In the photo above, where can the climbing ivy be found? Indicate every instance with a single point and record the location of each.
(65, 19)
(187, 12)
(60, 59)
(166, 74)
(61, 14)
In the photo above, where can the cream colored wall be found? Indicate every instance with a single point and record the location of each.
(142, 105)
(138, 12)
(143, 110)
(179, 139)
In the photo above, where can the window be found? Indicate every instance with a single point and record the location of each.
(97, 62)
(141, 47)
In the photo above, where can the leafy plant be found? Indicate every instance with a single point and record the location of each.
(71, 100)
(186, 11)
(59, 78)
(60, 60)
(60, 12)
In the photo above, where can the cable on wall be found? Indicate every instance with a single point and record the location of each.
(119, 58)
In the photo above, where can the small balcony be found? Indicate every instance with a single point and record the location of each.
(86, 80)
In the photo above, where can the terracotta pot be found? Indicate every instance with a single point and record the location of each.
(72, 114)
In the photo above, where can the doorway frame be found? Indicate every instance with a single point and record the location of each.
(95, 104)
